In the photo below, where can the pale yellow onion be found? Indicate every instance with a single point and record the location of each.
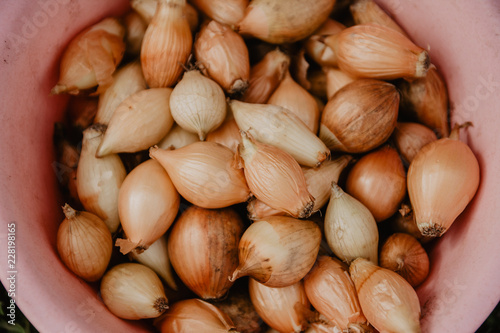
(360, 116)
(223, 55)
(133, 291)
(203, 248)
(284, 21)
(278, 251)
(204, 174)
(388, 302)
(98, 180)
(426, 101)
(335, 80)
(403, 254)
(91, 58)
(409, 138)
(296, 99)
(442, 180)
(227, 134)
(147, 8)
(136, 28)
(315, 45)
(84, 244)
(284, 309)
(223, 11)
(177, 138)
(319, 180)
(148, 204)
(195, 315)
(374, 51)
(139, 122)
(279, 127)
(350, 229)
(332, 293)
(156, 257)
(275, 178)
(378, 181)
(198, 104)
(166, 45)
(367, 11)
(265, 77)
(127, 81)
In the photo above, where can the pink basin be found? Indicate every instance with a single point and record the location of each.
(463, 39)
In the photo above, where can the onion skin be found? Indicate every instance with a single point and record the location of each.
(360, 116)
(204, 174)
(284, 21)
(284, 309)
(133, 291)
(148, 203)
(203, 249)
(404, 255)
(278, 251)
(442, 180)
(223, 56)
(378, 52)
(388, 301)
(166, 45)
(84, 244)
(378, 180)
(195, 315)
(409, 138)
(332, 293)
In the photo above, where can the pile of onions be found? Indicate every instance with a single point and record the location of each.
(244, 164)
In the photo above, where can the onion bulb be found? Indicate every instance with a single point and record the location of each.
(388, 302)
(278, 251)
(442, 179)
(203, 249)
(195, 315)
(148, 204)
(133, 291)
(285, 309)
(84, 244)
(204, 174)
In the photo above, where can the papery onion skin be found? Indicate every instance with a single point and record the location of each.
(204, 174)
(284, 21)
(223, 55)
(98, 180)
(284, 309)
(367, 11)
(84, 244)
(332, 293)
(442, 180)
(403, 254)
(388, 301)
(133, 291)
(278, 251)
(166, 45)
(360, 116)
(148, 204)
(195, 315)
(275, 178)
(409, 138)
(223, 11)
(378, 180)
(296, 99)
(396, 56)
(203, 248)
(91, 58)
(198, 104)
(350, 229)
